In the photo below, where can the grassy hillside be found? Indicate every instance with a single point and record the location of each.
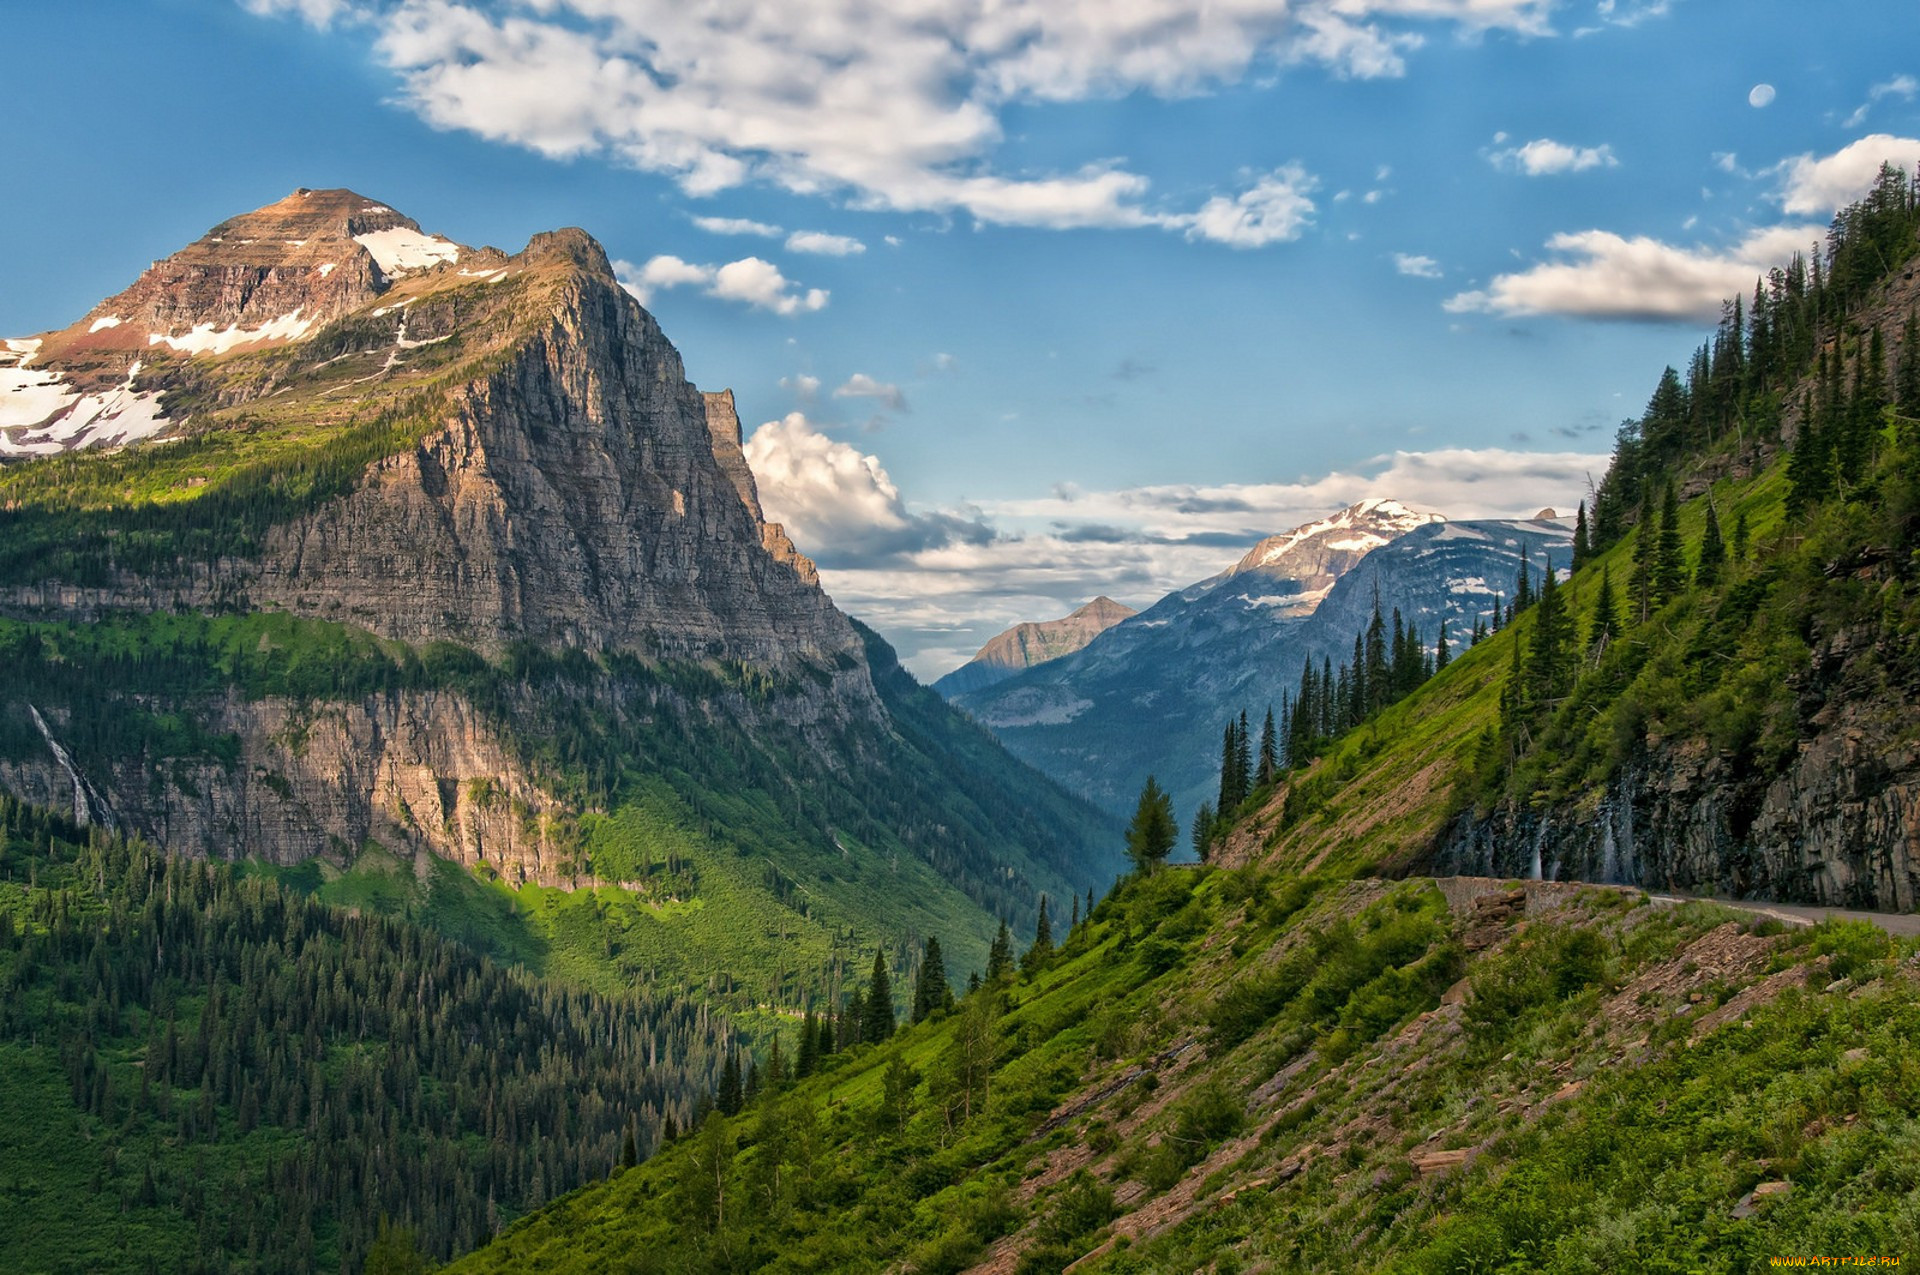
(1230, 1070)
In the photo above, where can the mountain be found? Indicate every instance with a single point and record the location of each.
(1151, 694)
(436, 550)
(1035, 642)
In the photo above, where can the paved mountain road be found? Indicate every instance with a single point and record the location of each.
(1462, 891)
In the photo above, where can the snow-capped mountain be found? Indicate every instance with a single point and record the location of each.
(1151, 694)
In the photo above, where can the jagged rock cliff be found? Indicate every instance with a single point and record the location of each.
(385, 431)
(1839, 825)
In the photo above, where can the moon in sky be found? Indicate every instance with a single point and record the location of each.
(1762, 95)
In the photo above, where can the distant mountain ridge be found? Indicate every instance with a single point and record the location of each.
(1031, 643)
(1150, 695)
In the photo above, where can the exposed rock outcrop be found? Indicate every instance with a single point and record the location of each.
(1839, 826)
(1035, 642)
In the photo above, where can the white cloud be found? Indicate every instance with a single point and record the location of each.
(1273, 209)
(1900, 86)
(737, 226)
(1416, 267)
(1611, 277)
(659, 272)
(1544, 157)
(319, 13)
(750, 280)
(823, 244)
(803, 387)
(1824, 185)
(860, 385)
(838, 504)
(893, 106)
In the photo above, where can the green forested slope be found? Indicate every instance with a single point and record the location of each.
(200, 1071)
(1750, 576)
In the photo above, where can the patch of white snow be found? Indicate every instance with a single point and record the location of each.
(204, 340)
(399, 250)
(326, 268)
(106, 321)
(40, 415)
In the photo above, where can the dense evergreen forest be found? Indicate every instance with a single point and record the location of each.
(205, 1072)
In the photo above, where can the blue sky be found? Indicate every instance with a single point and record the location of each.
(1025, 301)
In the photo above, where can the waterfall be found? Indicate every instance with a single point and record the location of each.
(83, 811)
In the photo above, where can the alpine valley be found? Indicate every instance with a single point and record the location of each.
(446, 822)
(371, 570)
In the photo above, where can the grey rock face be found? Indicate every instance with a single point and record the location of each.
(1838, 826)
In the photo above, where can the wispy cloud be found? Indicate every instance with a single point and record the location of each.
(891, 107)
(737, 226)
(1544, 157)
(1416, 267)
(886, 393)
(1904, 87)
(822, 244)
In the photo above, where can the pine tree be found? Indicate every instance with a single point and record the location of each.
(1640, 587)
(1669, 563)
(808, 1057)
(878, 1022)
(1000, 956)
(930, 989)
(1809, 464)
(1269, 763)
(629, 1149)
(1440, 653)
(1713, 552)
(1906, 396)
(730, 1095)
(1242, 758)
(776, 1071)
(1377, 682)
(1523, 586)
(1041, 952)
(853, 1019)
(1230, 790)
(1605, 623)
(1552, 635)
(1740, 536)
(1202, 834)
(1151, 834)
(1582, 545)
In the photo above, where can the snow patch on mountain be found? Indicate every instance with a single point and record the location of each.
(41, 415)
(202, 339)
(399, 250)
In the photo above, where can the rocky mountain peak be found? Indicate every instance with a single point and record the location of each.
(1357, 529)
(268, 276)
(1025, 645)
(569, 245)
